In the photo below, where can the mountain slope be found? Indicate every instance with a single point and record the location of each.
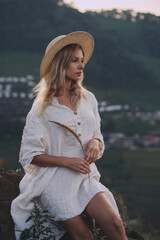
(127, 52)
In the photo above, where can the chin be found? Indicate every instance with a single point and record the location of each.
(76, 79)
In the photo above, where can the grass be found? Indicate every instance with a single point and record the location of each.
(20, 63)
(130, 31)
(150, 64)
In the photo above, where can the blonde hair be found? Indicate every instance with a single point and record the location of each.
(49, 86)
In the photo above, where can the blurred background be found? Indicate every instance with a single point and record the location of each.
(124, 74)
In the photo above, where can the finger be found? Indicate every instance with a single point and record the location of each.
(84, 170)
(95, 153)
(86, 166)
(85, 160)
(87, 152)
(92, 155)
(87, 157)
(93, 160)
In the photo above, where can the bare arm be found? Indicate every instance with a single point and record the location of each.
(77, 164)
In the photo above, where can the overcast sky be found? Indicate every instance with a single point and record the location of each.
(152, 6)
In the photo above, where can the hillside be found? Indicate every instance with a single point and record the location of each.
(136, 175)
(124, 69)
(127, 50)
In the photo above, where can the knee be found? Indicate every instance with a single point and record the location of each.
(117, 224)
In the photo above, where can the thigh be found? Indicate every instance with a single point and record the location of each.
(77, 228)
(101, 210)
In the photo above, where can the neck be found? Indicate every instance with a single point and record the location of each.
(65, 89)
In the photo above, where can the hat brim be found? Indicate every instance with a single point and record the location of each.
(84, 39)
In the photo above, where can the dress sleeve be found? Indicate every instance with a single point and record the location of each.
(33, 143)
(97, 132)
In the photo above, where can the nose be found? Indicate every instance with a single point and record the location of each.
(81, 65)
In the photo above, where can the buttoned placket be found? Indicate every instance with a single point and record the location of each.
(76, 117)
(78, 124)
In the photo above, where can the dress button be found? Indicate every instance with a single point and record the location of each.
(79, 135)
(79, 123)
(75, 113)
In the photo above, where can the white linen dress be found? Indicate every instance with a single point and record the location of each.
(63, 192)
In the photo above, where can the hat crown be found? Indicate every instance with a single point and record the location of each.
(50, 45)
(84, 39)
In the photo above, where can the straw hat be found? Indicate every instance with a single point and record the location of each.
(84, 39)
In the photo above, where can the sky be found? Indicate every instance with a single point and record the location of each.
(152, 6)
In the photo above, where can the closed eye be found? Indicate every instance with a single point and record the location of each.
(76, 59)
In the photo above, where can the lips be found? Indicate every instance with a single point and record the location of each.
(79, 73)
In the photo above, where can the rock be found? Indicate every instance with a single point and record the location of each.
(9, 182)
(9, 189)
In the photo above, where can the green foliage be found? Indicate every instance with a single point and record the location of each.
(18, 170)
(126, 53)
(39, 229)
(97, 232)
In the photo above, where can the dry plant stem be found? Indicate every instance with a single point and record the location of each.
(76, 136)
(88, 173)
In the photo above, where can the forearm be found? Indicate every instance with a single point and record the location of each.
(77, 164)
(45, 160)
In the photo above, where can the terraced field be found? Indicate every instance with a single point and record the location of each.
(136, 176)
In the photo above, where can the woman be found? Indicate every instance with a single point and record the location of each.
(61, 142)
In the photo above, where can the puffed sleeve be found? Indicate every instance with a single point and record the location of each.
(97, 133)
(33, 142)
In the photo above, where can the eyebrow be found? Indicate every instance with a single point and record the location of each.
(78, 57)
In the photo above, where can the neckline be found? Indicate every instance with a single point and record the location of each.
(55, 99)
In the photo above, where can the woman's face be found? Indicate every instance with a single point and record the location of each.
(75, 68)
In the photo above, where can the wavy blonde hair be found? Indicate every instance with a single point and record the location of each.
(49, 86)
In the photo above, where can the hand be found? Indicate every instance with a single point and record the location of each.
(78, 164)
(92, 150)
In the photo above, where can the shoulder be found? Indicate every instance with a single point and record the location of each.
(32, 115)
(90, 96)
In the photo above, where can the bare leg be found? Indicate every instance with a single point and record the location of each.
(105, 216)
(77, 228)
